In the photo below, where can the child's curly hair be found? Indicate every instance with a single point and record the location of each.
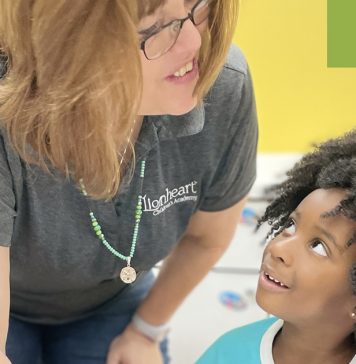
(331, 165)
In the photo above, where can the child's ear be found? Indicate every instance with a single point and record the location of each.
(353, 314)
(353, 309)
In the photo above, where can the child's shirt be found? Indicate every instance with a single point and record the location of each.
(250, 344)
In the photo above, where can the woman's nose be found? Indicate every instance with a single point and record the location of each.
(189, 39)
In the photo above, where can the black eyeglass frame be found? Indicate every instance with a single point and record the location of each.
(181, 22)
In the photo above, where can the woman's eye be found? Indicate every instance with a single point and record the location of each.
(319, 248)
(149, 31)
(290, 227)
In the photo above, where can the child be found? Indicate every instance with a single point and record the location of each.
(308, 271)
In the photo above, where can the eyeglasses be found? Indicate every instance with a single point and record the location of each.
(161, 39)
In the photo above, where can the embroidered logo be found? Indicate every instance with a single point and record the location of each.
(172, 196)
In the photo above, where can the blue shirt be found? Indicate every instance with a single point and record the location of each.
(238, 346)
(250, 344)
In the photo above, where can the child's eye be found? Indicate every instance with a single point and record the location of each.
(319, 248)
(290, 227)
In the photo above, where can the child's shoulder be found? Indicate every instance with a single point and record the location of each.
(238, 345)
(250, 334)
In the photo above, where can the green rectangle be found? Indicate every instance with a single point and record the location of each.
(341, 33)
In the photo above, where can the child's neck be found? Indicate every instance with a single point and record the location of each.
(312, 345)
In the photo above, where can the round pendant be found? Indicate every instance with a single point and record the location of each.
(128, 275)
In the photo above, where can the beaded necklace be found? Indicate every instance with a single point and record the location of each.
(128, 273)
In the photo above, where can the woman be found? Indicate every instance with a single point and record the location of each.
(111, 162)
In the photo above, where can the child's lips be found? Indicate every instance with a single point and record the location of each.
(272, 275)
(269, 285)
(274, 280)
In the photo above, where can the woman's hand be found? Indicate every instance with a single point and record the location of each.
(131, 347)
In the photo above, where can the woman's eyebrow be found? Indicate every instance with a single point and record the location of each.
(150, 30)
(157, 18)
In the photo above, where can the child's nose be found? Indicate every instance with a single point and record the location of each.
(282, 251)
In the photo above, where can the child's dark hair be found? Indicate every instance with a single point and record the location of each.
(331, 165)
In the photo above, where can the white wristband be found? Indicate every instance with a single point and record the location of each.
(155, 333)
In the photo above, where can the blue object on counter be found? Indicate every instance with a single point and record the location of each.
(232, 300)
(249, 216)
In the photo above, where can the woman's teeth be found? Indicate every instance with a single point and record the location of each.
(187, 68)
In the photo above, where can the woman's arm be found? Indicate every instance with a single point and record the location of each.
(206, 239)
(4, 300)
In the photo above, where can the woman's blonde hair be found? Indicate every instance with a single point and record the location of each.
(74, 81)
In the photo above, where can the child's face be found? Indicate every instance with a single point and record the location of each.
(311, 259)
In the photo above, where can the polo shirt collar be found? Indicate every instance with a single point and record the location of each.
(159, 128)
(172, 127)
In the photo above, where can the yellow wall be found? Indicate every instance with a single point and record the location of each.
(300, 101)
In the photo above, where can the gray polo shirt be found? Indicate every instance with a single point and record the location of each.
(204, 160)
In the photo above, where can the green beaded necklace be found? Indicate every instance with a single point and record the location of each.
(128, 273)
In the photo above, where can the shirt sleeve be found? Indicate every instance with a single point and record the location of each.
(236, 171)
(7, 198)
